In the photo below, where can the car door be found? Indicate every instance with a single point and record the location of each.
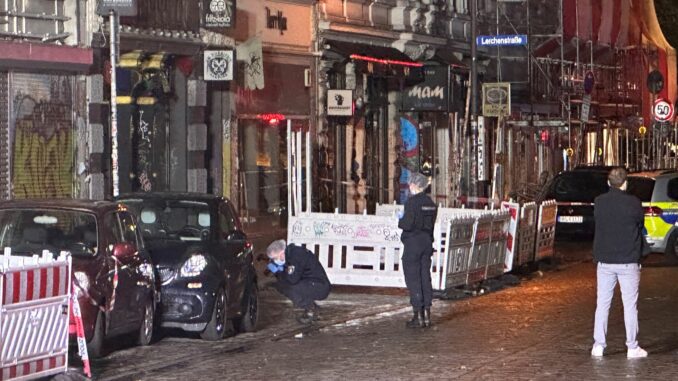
(121, 302)
(139, 277)
(232, 242)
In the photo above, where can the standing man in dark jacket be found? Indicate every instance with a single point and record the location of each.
(300, 275)
(617, 248)
(417, 224)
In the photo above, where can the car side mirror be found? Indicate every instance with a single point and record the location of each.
(236, 235)
(124, 250)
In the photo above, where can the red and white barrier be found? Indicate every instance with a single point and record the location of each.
(546, 230)
(34, 315)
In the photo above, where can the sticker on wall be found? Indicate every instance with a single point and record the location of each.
(340, 102)
(218, 65)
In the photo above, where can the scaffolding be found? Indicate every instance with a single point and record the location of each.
(578, 86)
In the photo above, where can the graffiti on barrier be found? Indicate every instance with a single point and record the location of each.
(343, 230)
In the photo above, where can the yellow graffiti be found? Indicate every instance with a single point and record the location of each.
(42, 166)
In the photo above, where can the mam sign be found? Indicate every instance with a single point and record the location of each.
(663, 111)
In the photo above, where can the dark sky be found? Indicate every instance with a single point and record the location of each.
(667, 12)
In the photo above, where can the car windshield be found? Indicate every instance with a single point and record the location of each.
(578, 186)
(172, 219)
(30, 231)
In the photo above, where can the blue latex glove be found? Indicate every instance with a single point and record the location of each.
(272, 267)
(400, 214)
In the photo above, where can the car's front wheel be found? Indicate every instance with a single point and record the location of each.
(250, 312)
(216, 328)
(146, 328)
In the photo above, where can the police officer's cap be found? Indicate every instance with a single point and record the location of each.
(419, 180)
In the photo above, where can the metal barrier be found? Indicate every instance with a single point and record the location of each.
(546, 230)
(34, 315)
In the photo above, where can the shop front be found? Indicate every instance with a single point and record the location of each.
(273, 88)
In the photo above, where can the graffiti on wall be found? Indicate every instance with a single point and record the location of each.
(409, 155)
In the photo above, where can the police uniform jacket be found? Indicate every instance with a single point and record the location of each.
(301, 264)
(619, 224)
(419, 217)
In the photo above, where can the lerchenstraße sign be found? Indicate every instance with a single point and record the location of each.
(218, 13)
(121, 7)
(502, 40)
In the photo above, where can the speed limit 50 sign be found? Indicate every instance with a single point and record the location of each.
(662, 110)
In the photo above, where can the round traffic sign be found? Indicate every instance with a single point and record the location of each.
(662, 110)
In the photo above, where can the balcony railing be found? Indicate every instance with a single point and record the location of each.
(156, 14)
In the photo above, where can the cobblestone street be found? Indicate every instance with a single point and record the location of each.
(540, 329)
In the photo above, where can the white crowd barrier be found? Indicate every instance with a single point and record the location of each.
(34, 315)
(470, 245)
(546, 230)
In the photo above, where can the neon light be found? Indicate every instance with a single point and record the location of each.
(271, 118)
(385, 61)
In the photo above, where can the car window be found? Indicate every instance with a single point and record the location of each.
(129, 228)
(113, 228)
(641, 187)
(578, 186)
(226, 220)
(30, 231)
(672, 189)
(160, 219)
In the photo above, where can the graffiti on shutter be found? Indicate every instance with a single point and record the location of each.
(42, 144)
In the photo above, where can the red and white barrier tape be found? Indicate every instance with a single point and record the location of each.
(80, 333)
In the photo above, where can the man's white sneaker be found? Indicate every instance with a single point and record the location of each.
(636, 353)
(597, 350)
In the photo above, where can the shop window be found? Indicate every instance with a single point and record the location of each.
(263, 171)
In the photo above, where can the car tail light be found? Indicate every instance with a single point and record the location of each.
(653, 211)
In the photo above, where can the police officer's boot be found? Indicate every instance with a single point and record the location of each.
(426, 317)
(417, 320)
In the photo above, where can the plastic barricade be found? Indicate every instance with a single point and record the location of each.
(498, 242)
(458, 250)
(527, 234)
(546, 230)
(481, 249)
(34, 315)
(359, 250)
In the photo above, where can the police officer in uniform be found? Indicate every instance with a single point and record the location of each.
(300, 276)
(417, 225)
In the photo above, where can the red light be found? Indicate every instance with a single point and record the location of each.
(272, 119)
(653, 211)
(545, 136)
(384, 61)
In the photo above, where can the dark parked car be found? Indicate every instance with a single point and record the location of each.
(204, 261)
(575, 191)
(104, 241)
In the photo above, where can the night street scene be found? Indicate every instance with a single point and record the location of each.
(338, 190)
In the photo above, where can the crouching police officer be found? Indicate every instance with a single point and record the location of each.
(300, 276)
(417, 224)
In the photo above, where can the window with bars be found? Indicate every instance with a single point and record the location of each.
(36, 20)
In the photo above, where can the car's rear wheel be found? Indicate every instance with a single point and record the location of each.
(216, 328)
(146, 328)
(95, 347)
(250, 313)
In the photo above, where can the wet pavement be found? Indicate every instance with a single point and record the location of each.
(538, 330)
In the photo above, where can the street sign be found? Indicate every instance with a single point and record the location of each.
(502, 40)
(496, 99)
(120, 7)
(585, 108)
(662, 110)
(655, 81)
